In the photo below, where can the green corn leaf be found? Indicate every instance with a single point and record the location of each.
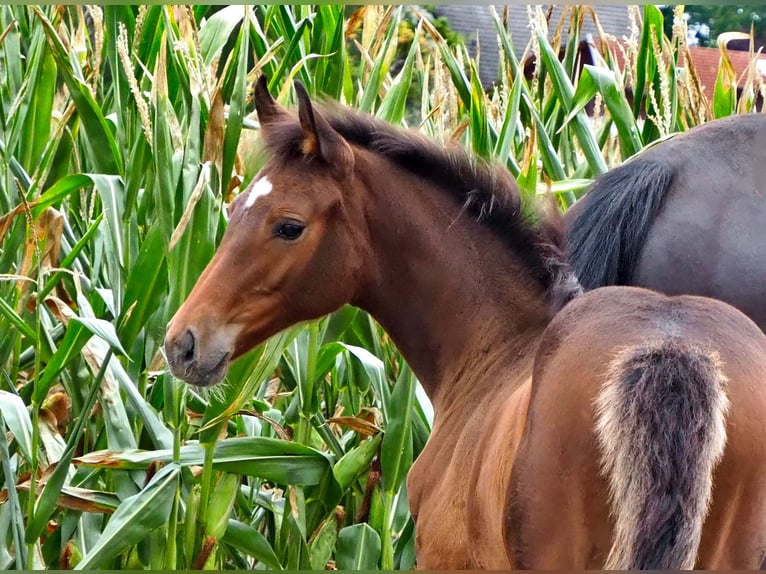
(322, 545)
(14, 58)
(103, 329)
(217, 30)
(23, 178)
(374, 371)
(334, 66)
(596, 79)
(725, 91)
(17, 419)
(191, 253)
(396, 450)
(565, 94)
(112, 192)
(327, 357)
(645, 60)
(60, 190)
(527, 179)
(572, 186)
(135, 518)
(301, 359)
(262, 46)
(294, 531)
(13, 505)
(97, 352)
(338, 323)
(648, 70)
(294, 46)
(69, 348)
(284, 22)
(163, 147)
(372, 86)
(551, 161)
(118, 86)
(37, 116)
(586, 89)
(672, 81)
(272, 459)
(147, 45)
(145, 288)
(358, 548)
(15, 319)
(504, 145)
(159, 434)
(459, 80)
(47, 501)
(548, 154)
(220, 505)
(191, 517)
(105, 154)
(356, 461)
(252, 542)
(237, 103)
(480, 128)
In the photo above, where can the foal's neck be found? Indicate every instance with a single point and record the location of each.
(450, 293)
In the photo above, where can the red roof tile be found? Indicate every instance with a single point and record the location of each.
(706, 61)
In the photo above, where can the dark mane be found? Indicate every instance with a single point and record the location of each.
(485, 190)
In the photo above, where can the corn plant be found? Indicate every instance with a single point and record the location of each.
(539, 126)
(122, 141)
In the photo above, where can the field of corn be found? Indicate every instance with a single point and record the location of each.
(124, 132)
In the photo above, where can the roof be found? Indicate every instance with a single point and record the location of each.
(475, 22)
(706, 61)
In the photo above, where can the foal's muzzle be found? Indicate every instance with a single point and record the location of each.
(189, 363)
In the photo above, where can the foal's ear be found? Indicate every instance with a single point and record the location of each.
(266, 106)
(320, 139)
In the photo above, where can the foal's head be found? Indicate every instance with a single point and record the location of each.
(292, 250)
(299, 245)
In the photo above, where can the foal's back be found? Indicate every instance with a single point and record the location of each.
(596, 418)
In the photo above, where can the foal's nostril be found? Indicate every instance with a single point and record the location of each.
(186, 346)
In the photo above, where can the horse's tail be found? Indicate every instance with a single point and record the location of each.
(607, 236)
(661, 429)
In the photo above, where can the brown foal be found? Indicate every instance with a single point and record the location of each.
(619, 428)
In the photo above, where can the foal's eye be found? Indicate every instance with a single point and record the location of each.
(289, 230)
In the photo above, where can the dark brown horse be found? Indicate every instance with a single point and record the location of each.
(571, 430)
(684, 217)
